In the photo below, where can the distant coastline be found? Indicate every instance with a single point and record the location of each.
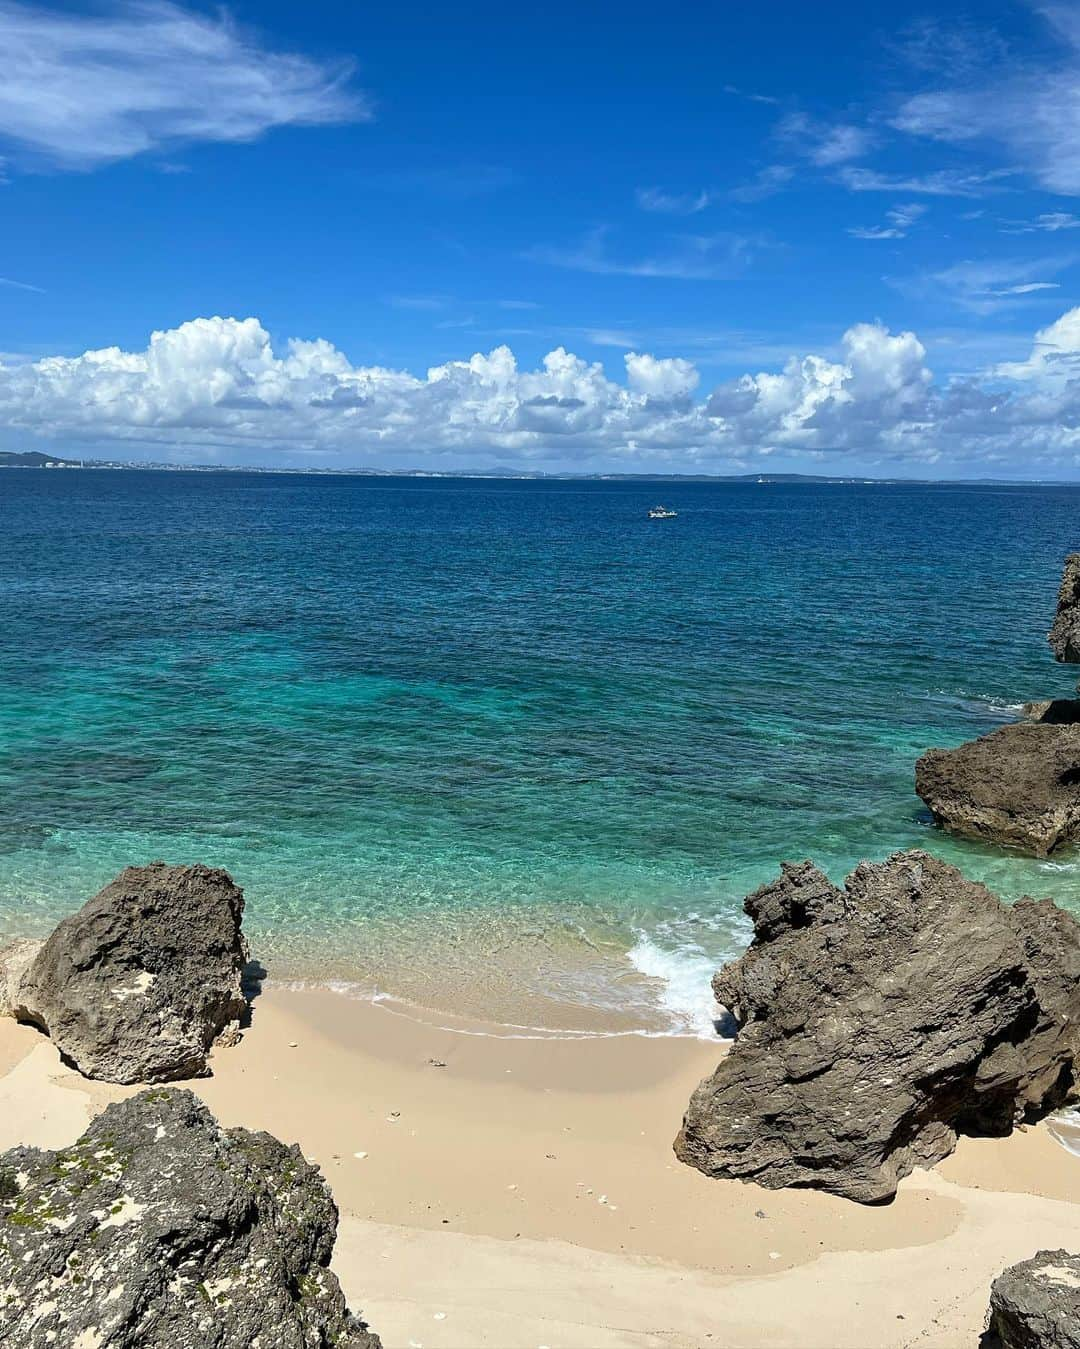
(34, 459)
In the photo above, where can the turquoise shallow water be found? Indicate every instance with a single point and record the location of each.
(476, 742)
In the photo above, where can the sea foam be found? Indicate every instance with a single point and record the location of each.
(685, 978)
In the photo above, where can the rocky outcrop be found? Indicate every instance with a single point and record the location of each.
(1064, 637)
(138, 984)
(1018, 786)
(1036, 1305)
(880, 1020)
(159, 1229)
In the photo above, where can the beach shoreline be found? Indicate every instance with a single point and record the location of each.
(523, 976)
(526, 1189)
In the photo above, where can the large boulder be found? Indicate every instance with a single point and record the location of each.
(159, 1229)
(138, 984)
(879, 1021)
(1019, 786)
(1036, 1305)
(1064, 637)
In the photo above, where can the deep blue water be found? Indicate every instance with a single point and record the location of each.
(476, 740)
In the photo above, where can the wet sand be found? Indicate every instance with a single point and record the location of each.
(523, 1192)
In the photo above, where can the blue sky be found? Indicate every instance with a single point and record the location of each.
(822, 238)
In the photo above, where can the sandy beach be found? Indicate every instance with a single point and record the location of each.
(501, 1191)
(538, 539)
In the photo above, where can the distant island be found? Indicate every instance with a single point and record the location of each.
(35, 459)
(32, 459)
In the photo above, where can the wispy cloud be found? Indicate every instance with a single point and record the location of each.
(900, 218)
(1028, 108)
(751, 97)
(876, 232)
(1028, 288)
(959, 49)
(20, 285)
(1051, 222)
(430, 303)
(765, 183)
(612, 337)
(659, 202)
(825, 144)
(940, 183)
(984, 287)
(691, 257)
(83, 88)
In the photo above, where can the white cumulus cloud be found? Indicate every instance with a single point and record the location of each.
(670, 378)
(217, 387)
(1055, 353)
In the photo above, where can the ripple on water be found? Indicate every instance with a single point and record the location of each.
(501, 745)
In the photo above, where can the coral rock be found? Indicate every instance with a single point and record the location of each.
(1036, 1305)
(159, 1229)
(138, 984)
(879, 1021)
(1019, 785)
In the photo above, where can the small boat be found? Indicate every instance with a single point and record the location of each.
(662, 513)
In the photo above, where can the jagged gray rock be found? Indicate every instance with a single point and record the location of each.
(138, 984)
(1064, 636)
(879, 1021)
(1036, 1304)
(159, 1229)
(15, 959)
(1018, 786)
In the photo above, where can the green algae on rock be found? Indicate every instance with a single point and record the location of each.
(158, 1229)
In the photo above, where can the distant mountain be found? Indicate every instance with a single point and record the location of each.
(32, 459)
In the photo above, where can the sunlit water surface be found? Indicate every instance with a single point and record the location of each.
(504, 748)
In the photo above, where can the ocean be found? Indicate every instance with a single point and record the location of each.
(504, 748)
